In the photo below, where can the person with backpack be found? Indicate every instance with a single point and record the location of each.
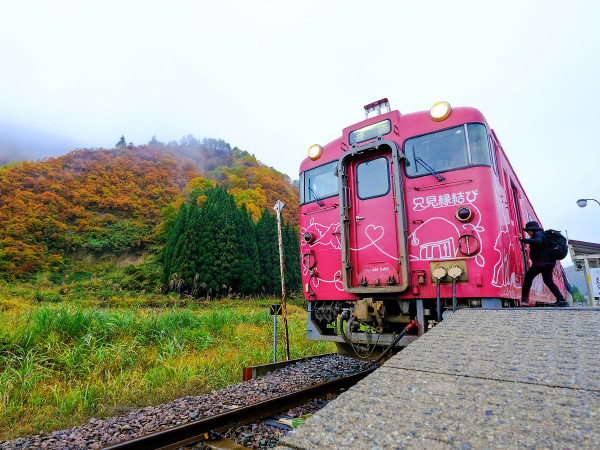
(542, 261)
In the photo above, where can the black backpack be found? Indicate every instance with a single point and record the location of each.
(556, 244)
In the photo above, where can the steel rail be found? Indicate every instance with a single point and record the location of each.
(175, 437)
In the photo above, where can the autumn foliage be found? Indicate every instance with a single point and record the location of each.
(121, 200)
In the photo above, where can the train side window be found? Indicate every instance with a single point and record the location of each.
(493, 154)
(373, 178)
(480, 152)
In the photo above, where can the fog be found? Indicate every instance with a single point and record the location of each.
(20, 142)
(273, 78)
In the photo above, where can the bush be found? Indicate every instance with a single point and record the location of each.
(50, 297)
(57, 278)
(142, 277)
(79, 276)
(118, 238)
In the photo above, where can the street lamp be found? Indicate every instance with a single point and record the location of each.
(582, 202)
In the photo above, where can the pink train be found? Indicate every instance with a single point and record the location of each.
(404, 219)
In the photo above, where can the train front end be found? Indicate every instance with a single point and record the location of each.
(400, 221)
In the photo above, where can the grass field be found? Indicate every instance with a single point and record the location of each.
(68, 353)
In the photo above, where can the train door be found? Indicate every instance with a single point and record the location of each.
(374, 247)
(520, 224)
(518, 259)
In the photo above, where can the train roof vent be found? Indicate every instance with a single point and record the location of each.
(377, 106)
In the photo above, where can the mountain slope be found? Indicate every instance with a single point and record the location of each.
(116, 200)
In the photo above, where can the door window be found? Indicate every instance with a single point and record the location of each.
(373, 178)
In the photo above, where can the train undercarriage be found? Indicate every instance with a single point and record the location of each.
(365, 328)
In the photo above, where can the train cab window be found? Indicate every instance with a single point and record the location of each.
(318, 183)
(445, 150)
(373, 178)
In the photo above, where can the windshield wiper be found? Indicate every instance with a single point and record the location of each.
(312, 191)
(429, 169)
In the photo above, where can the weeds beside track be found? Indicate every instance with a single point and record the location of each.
(61, 365)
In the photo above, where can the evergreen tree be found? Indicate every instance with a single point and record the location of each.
(216, 144)
(122, 143)
(188, 249)
(247, 274)
(218, 241)
(175, 234)
(291, 253)
(219, 248)
(191, 141)
(268, 253)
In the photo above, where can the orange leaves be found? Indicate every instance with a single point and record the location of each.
(200, 200)
(50, 207)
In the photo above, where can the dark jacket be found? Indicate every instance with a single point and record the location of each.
(538, 248)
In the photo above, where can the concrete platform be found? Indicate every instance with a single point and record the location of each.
(482, 379)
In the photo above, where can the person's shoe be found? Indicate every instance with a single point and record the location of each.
(560, 303)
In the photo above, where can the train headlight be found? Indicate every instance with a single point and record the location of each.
(464, 214)
(314, 152)
(440, 111)
(308, 237)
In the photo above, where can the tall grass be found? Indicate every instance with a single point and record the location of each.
(62, 364)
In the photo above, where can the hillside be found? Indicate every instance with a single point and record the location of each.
(114, 201)
(577, 279)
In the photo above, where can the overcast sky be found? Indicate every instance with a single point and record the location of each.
(274, 77)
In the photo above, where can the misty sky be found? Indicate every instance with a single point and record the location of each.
(274, 77)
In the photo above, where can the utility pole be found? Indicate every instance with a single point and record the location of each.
(278, 207)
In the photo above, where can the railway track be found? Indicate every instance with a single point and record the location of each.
(196, 431)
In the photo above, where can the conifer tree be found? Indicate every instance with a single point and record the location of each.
(175, 235)
(268, 252)
(247, 274)
(218, 247)
(154, 141)
(185, 254)
(218, 239)
(291, 253)
(122, 143)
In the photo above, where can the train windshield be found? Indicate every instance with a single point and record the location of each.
(445, 150)
(318, 183)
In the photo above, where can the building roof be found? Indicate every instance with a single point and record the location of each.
(579, 249)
